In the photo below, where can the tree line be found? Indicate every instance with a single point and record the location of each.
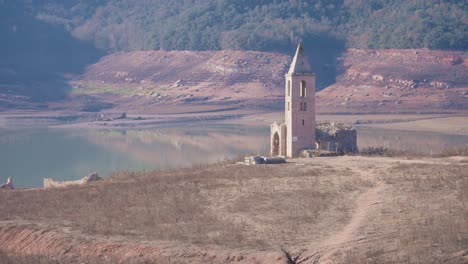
(269, 25)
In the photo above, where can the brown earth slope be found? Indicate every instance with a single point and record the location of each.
(150, 78)
(369, 81)
(398, 81)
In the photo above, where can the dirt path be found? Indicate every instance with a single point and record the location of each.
(347, 236)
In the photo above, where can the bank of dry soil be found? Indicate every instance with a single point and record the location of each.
(323, 210)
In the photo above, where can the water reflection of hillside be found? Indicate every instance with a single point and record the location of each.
(175, 147)
(414, 141)
(29, 155)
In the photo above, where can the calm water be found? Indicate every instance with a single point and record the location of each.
(31, 154)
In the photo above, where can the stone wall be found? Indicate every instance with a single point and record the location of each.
(49, 183)
(336, 137)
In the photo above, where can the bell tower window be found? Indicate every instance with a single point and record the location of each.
(289, 88)
(303, 89)
(303, 106)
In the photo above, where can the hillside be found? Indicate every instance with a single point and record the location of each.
(144, 80)
(398, 81)
(35, 57)
(368, 81)
(267, 25)
(46, 41)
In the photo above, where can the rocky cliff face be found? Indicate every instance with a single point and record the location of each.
(398, 81)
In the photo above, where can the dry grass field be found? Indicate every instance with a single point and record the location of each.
(422, 216)
(323, 210)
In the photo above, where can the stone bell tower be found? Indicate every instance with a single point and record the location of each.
(299, 105)
(298, 130)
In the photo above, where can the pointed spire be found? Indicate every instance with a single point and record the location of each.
(300, 65)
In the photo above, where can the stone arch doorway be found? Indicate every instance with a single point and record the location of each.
(276, 144)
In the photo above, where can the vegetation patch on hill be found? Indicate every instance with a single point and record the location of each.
(258, 25)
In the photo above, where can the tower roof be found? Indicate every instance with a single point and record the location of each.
(300, 65)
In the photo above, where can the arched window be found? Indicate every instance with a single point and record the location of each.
(289, 106)
(303, 89)
(275, 145)
(289, 88)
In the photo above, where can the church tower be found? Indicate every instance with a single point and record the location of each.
(299, 105)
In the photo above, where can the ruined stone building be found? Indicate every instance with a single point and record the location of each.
(336, 137)
(298, 130)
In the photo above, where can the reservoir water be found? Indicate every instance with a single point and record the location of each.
(31, 154)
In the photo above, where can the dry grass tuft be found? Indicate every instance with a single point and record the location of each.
(6, 258)
(455, 151)
(387, 152)
(9, 259)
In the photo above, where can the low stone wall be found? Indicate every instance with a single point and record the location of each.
(336, 137)
(311, 153)
(49, 183)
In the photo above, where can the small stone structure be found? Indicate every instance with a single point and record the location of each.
(8, 185)
(111, 116)
(49, 183)
(252, 160)
(336, 137)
